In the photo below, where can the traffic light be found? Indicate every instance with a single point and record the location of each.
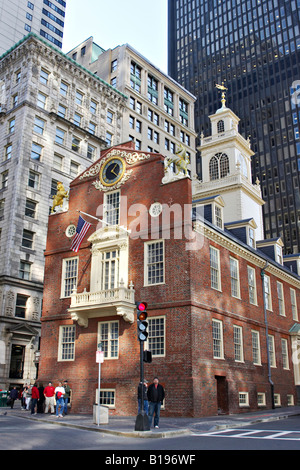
(141, 320)
(147, 356)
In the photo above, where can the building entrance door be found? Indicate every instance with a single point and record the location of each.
(222, 394)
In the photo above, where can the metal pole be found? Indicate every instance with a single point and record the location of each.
(99, 376)
(142, 372)
(267, 335)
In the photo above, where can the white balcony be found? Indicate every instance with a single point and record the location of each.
(118, 301)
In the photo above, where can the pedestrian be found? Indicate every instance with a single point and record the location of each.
(49, 393)
(59, 397)
(146, 403)
(66, 396)
(156, 395)
(41, 401)
(35, 396)
(28, 396)
(13, 395)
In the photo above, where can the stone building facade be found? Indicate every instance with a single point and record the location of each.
(54, 116)
(159, 116)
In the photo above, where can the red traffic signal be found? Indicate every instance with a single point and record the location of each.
(141, 306)
(141, 317)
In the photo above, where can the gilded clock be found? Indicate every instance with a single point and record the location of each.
(112, 171)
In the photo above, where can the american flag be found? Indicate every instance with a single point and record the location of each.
(81, 230)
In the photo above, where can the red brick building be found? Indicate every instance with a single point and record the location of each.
(202, 280)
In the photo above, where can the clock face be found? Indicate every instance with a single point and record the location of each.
(112, 171)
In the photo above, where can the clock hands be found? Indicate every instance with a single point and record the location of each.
(113, 170)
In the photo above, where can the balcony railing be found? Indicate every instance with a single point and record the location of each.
(119, 301)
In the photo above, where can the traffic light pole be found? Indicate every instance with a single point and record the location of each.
(142, 422)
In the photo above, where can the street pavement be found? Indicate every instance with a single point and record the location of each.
(168, 427)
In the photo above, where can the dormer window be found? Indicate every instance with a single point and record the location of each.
(218, 216)
(278, 255)
(251, 237)
(218, 166)
(220, 126)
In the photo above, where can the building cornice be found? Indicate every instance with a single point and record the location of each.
(17, 51)
(255, 258)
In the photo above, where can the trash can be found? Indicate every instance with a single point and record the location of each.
(3, 398)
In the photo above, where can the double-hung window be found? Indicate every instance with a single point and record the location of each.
(108, 336)
(154, 263)
(215, 277)
(280, 299)
(238, 343)
(66, 351)
(256, 347)
(234, 277)
(112, 208)
(69, 276)
(110, 269)
(252, 285)
(156, 338)
(217, 336)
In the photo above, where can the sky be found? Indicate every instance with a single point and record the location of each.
(140, 23)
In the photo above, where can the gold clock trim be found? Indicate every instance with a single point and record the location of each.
(106, 164)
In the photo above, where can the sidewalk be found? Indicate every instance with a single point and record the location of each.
(169, 427)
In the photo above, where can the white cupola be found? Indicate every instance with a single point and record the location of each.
(226, 169)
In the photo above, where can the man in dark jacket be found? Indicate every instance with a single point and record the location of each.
(13, 395)
(156, 395)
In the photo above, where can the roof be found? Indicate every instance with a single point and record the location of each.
(58, 51)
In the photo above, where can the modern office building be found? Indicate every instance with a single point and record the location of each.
(254, 48)
(160, 113)
(54, 116)
(20, 17)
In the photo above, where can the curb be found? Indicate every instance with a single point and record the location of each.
(136, 434)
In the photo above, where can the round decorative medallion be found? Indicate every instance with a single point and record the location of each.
(71, 230)
(155, 209)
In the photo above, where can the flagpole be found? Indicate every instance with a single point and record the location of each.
(103, 221)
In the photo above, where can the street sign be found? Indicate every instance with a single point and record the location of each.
(99, 357)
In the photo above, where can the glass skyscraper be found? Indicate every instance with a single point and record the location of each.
(253, 46)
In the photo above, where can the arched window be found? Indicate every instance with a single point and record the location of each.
(214, 168)
(218, 166)
(220, 126)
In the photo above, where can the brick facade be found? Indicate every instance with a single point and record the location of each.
(196, 383)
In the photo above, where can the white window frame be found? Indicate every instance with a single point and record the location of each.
(272, 354)
(110, 276)
(112, 213)
(261, 402)
(234, 278)
(65, 261)
(252, 286)
(215, 269)
(60, 343)
(219, 339)
(238, 343)
(255, 334)
(105, 403)
(294, 304)
(108, 354)
(243, 399)
(147, 264)
(268, 296)
(280, 294)
(156, 338)
(285, 354)
(277, 399)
